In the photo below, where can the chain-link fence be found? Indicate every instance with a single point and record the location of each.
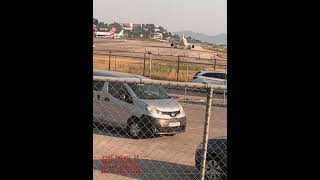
(143, 131)
(157, 66)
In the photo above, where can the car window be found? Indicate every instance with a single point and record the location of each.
(98, 85)
(205, 75)
(117, 89)
(143, 91)
(215, 75)
(220, 75)
(212, 75)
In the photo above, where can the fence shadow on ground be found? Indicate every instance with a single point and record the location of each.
(105, 130)
(150, 169)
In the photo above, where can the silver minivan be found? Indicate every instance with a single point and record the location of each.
(142, 110)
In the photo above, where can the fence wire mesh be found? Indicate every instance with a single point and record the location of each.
(175, 68)
(144, 129)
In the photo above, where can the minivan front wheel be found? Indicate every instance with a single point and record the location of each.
(135, 129)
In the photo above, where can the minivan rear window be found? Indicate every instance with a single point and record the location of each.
(143, 91)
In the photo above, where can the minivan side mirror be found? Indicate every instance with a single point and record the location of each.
(123, 97)
(126, 98)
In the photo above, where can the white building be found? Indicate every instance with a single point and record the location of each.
(157, 35)
(127, 26)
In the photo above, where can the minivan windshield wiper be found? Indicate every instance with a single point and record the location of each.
(143, 91)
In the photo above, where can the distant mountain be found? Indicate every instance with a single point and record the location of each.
(217, 39)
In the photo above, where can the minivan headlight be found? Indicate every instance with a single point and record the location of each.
(153, 110)
(181, 110)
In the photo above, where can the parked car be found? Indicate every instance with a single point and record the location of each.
(210, 77)
(142, 110)
(216, 161)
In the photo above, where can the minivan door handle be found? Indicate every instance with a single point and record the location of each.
(106, 99)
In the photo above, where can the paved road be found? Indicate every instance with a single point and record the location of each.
(165, 157)
(162, 48)
(162, 57)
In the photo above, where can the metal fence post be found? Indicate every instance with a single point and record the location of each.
(206, 133)
(178, 69)
(109, 59)
(215, 63)
(144, 63)
(105, 58)
(115, 63)
(224, 91)
(185, 89)
(224, 97)
(150, 61)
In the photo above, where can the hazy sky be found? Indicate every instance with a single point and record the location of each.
(204, 16)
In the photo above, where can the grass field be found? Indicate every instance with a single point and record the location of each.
(221, 51)
(162, 70)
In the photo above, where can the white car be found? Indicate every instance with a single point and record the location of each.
(210, 77)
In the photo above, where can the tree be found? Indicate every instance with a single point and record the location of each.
(150, 27)
(115, 25)
(165, 35)
(100, 25)
(175, 36)
(196, 41)
(95, 21)
(136, 32)
(161, 29)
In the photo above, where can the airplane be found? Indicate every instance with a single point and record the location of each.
(111, 33)
(118, 36)
(183, 43)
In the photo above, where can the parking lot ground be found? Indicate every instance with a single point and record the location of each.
(165, 156)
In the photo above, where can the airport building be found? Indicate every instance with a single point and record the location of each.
(158, 35)
(136, 26)
(127, 26)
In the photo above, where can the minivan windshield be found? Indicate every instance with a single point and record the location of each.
(143, 91)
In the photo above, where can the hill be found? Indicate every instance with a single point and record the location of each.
(217, 39)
